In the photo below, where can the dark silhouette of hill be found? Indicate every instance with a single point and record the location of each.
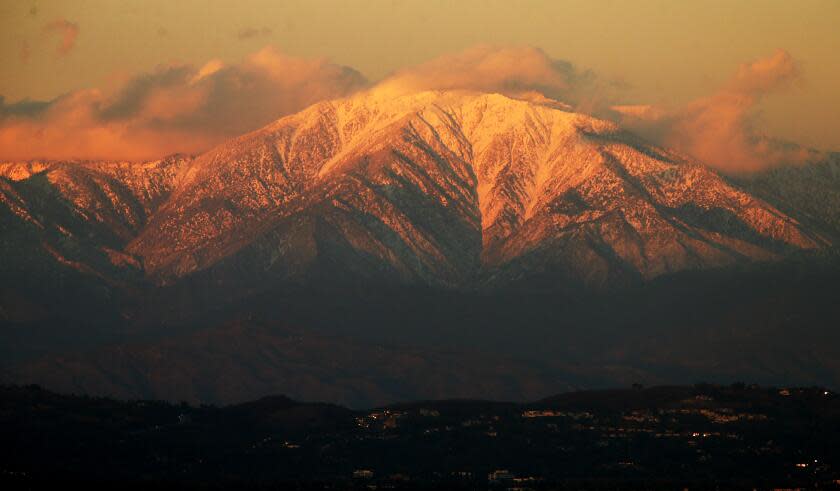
(700, 436)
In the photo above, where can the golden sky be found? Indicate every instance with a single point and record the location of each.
(665, 53)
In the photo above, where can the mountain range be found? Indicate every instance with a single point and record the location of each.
(318, 218)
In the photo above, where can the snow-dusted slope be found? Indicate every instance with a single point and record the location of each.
(453, 188)
(119, 195)
(77, 215)
(810, 191)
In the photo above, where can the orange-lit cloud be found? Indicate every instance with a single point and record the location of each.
(68, 31)
(176, 108)
(507, 70)
(185, 108)
(720, 129)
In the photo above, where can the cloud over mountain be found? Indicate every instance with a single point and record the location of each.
(720, 129)
(175, 108)
(507, 70)
(186, 108)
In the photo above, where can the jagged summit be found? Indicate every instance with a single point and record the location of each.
(440, 187)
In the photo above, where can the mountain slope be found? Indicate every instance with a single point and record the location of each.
(810, 192)
(452, 188)
(361, 216)
(63, 230)
(455, 189)
(103, 204)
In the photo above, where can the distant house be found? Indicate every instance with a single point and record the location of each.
(500, 475)
(363, 474)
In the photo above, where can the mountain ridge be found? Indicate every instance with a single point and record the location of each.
(437, 187)
(457, 217)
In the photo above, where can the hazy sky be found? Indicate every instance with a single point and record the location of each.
(660, 52)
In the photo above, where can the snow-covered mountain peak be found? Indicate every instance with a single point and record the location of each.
(450, 187)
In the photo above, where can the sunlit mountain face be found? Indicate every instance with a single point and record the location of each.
(369, 223)
(426, 221)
